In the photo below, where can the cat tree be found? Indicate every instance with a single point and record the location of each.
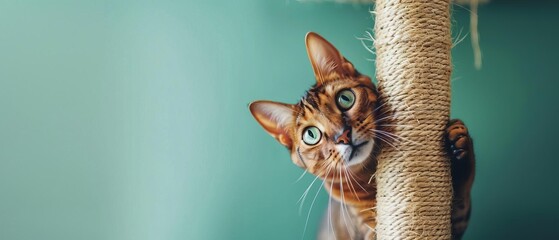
(413, 65)
(413, 42)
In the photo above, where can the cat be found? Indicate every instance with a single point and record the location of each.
(335, 131)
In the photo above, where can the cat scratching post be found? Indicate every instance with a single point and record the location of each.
(412, 41)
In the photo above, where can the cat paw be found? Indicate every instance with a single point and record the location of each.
(457, 140)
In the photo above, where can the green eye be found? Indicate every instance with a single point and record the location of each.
(346, 99)
(311, 135)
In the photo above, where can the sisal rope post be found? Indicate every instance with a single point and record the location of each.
(413, 42)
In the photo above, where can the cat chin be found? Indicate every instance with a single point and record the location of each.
(360, 154)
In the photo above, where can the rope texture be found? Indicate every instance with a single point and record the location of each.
(412, 41)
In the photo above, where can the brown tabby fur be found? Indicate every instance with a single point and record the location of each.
(344, 157)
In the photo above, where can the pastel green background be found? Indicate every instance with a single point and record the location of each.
(129, 120)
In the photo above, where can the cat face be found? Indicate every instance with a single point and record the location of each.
(333, 125)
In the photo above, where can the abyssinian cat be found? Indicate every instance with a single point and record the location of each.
(335, 131)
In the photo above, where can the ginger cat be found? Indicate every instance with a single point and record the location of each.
(335, 131)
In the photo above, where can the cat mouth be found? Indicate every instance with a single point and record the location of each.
(357, 154)
(355, 149)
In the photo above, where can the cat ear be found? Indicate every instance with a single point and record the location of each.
(327, 62)
(275, 118)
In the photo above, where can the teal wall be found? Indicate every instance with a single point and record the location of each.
(128, 120)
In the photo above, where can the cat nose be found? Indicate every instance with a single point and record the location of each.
(344, 138)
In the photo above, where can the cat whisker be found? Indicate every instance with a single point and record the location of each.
(342, 203)
(348, 174)
(368, 209)
(393, 125)
(385, 117)
(387, 142)
(342, 198)
(395, 137)
(386, 134)
(304, 196)
(313, 201)
(301, 177)
(330, 211)
(351, 187)
(357, 182)
(379, 106)
(371, 178)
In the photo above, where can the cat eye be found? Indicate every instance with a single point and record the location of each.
(311, 135)
(345, 99)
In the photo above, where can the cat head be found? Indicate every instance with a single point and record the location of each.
(333, 124)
